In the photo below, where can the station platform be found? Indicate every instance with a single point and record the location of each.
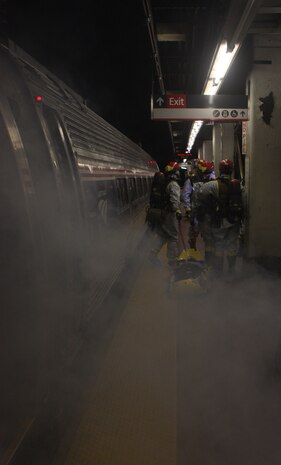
(190, 380)
(129, 415)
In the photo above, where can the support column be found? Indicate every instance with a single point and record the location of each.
(207, 150)
(217, 145)
(200, 153)
(223, 143)
(263, 158)
(227, 140)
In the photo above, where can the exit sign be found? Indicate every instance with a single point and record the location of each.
(181, 107)
(176, 100)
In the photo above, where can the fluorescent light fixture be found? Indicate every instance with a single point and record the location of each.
(220, 65)
(196, 126)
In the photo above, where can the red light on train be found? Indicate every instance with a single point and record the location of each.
(38, 98)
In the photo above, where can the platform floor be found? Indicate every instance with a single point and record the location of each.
(186, 381)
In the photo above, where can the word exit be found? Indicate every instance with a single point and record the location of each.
(176, 101)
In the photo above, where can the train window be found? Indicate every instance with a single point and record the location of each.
(91, 201)
(112, 200)
(145, 182)
(132, 189)
(144, 186)
(140, 187)
(101, 202)
(90, 191)
(122, 191)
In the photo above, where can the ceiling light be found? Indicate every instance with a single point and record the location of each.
(219, 67)
(196, 126)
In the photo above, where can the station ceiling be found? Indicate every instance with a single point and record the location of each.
(184, 35)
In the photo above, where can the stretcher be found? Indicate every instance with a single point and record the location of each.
(190, 274)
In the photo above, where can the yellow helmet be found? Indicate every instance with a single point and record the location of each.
(205, 167)
(172, 167)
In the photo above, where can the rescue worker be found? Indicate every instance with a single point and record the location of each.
(157, 192)
(154, 214)
(222, 202)
(167, 232)
(203, 172)
(187, 192)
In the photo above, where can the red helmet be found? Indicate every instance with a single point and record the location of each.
(172, 167)
(158, 175)
(226, 166)
(159, 178)
(205, 167)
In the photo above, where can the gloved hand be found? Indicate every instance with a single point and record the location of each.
(178, 215)
(187, 212)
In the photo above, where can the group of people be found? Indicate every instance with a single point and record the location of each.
(212, 204)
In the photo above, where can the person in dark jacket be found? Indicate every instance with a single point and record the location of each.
(157, 193)
(156, 200)
(203, 173)
(223, 203)
(167, 232)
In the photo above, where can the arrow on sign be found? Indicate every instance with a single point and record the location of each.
(160, 101)
(242, 113)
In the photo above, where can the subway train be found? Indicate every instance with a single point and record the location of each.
(73, 192)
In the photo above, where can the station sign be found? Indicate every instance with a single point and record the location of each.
(177, 107)
(176, 101)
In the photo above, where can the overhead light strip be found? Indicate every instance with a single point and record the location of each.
(221, 64)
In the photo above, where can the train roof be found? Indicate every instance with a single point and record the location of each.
(92, 136)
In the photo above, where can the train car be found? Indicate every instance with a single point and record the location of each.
(73, 192)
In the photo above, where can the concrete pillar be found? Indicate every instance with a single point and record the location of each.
(223, 143)
(217, 145)
(227, 141)
(200, 152)
(208, 150)
(263, 157)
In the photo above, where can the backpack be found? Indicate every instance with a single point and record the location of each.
(158, 201)
(230, 202)
(157, 196)
(198, 209)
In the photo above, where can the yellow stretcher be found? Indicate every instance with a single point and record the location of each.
(190, 275)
